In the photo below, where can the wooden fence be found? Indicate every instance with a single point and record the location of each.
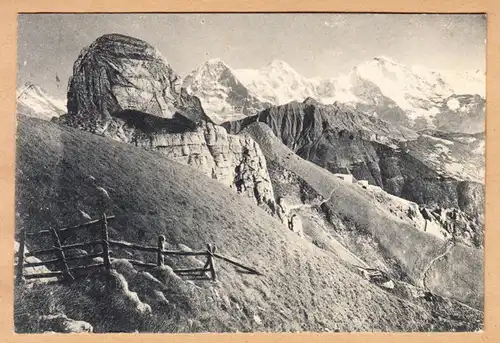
(64, 272)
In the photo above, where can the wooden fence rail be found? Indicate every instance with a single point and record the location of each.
(67, 273)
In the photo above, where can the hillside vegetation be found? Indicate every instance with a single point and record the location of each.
(457, 275)
(304, 288)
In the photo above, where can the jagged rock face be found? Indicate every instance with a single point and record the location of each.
(374, 102)
(462, 113)
(299, 125)
(118, 73)
(222, 95)
(454, 224)
(443, 223)
(234, 160)
(433, 168)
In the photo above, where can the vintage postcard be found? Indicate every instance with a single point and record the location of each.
(249, 172)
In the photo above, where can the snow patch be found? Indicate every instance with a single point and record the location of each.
(453, 104)
(442, 149)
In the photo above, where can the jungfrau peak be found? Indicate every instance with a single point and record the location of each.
(277, 83)
(417, 92)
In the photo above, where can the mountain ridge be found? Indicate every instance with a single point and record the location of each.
(33, 101)
(445, 171)
(222, 95)
(143, 134)
(416, 97)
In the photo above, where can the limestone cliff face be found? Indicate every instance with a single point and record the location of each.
(124, 89)
(234, 160)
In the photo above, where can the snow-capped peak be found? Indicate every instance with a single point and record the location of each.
(212, 68)
(215, 62)
(279, 65)
(33, 101)
(384, 60)
(222, 95)
(277, 83)
(406, 95)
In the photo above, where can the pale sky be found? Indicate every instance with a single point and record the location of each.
(313, 44)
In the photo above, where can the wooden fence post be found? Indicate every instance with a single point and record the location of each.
(20, 258)
(105, 242)
(210, 261)
(161, 247)
(60, 252)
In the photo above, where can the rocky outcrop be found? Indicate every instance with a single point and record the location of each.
(118, 73)
(234, 160)
(124, 89)
(61, 323)
(455, 224)
(443, 223)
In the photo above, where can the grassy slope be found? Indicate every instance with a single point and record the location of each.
(304, 288)
(460, 275)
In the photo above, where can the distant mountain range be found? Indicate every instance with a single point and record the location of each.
(33, 101)
(412, 96)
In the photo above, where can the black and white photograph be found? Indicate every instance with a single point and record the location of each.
(249, 172)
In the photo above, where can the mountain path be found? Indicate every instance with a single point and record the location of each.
(448, 245)
(345, 254)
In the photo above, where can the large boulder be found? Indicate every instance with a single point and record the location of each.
(118, 73)
(61, 323)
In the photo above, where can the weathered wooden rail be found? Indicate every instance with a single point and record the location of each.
(65, 272)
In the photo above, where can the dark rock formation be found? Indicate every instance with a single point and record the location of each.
(437, 169)
(117, 76)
